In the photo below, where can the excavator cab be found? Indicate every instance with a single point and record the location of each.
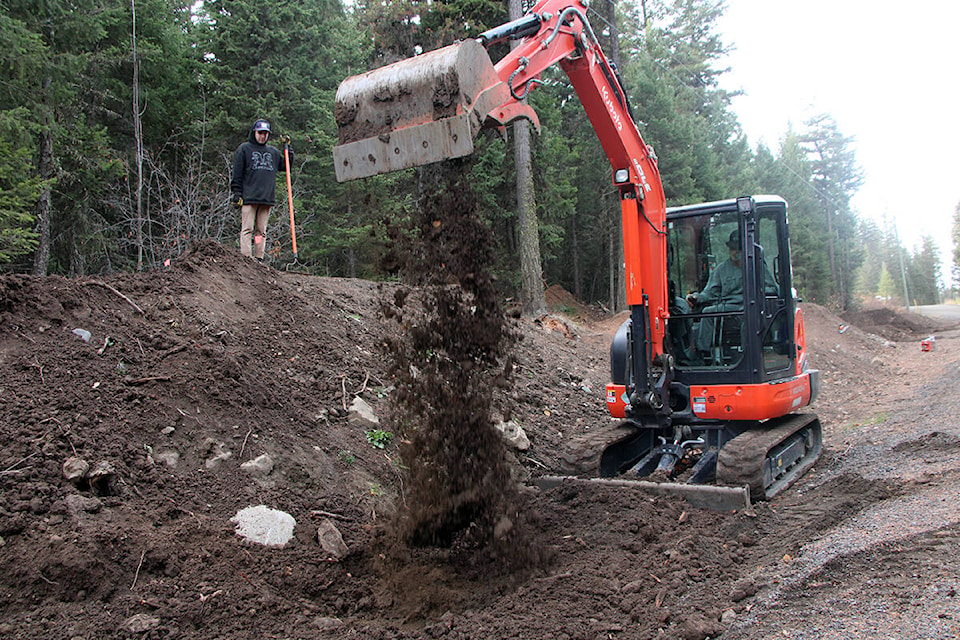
(730, 281)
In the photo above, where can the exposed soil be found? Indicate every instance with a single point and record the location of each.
(191, 371)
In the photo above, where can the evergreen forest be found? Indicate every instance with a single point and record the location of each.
(118, 123)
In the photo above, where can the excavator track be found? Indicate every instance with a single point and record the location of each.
(772, 455)
(585, 454)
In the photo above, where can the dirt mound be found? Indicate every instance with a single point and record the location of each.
(219, 384)
(559, 300)
(893, 324)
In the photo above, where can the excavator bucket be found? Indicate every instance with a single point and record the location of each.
(416, 111)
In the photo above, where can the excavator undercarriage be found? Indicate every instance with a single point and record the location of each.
(747, 461)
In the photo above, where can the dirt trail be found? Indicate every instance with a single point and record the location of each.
(193, 371)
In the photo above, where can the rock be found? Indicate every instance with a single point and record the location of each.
(697, 627)
(75, 469)
(260, 524)
(168, 457)
(746, 540)
(167, 431)
(259, 467)
(214, 453)
(743, 590)
(728, 616)
(140, 623)
(362, 414)
(514, 435)
(83, 334)
(103, 478)
(323, 622)
(79, 504)
(331, 541)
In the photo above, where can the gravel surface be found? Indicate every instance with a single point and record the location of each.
(889, 571)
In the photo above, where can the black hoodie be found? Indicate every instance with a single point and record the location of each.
(255, 168)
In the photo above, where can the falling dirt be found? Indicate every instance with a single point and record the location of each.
(123, 459)
(449, 355)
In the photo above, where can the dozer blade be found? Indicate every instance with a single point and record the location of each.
(416, 111)
(701, 496)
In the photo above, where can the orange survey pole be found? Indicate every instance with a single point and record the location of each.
(293, 230)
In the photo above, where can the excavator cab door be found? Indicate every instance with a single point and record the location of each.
(774, 280)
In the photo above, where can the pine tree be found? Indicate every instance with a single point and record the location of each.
(955, 237)
(20, 187)
(836, 177)
(887, 285)
(924, 273)
(64, 104)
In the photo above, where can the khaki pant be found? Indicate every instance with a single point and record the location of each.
(253, 229)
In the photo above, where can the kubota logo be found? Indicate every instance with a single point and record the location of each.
(611, 107)
(643, 176)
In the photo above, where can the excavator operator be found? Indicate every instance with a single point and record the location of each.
(724, 291)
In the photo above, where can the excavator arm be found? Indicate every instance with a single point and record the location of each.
(432, 107)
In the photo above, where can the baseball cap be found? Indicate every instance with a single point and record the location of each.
(261, 125)
(734, 241)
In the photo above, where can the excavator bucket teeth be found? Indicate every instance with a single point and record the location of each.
(416, 111)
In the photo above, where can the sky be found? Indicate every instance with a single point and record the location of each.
(889, 74)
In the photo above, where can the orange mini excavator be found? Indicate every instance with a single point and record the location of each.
(710, 369)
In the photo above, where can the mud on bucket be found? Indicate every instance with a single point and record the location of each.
(415, 112)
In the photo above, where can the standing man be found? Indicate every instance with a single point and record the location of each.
(254, 185)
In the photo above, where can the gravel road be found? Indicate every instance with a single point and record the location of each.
(889, 571)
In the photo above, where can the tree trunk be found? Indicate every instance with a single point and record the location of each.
(531, 280)
(531, 269)
(575, 255)
(618, 289)
(137, 137)
(44, 208)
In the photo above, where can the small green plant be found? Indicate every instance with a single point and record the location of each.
(877, 418)
(376, 489)
(346, 457)
(379, 438)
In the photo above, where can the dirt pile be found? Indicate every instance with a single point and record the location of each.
(894, 325)
(124, 458)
